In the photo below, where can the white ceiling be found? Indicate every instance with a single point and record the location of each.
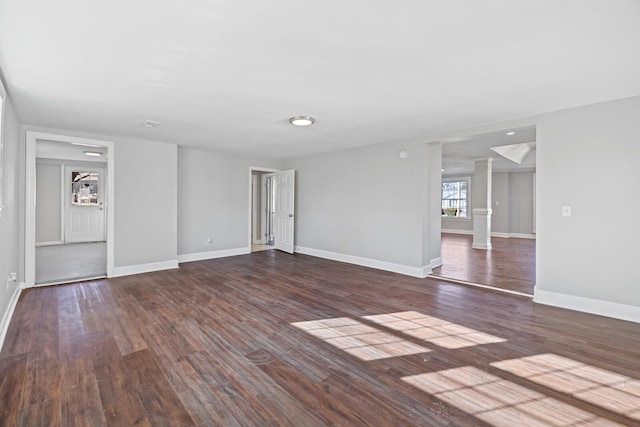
(458, 156)
(66, 151)
(226, 75)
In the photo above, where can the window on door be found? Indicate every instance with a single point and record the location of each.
(455, 198)
(84, 188)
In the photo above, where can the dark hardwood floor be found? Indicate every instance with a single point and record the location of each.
(510, 264)
(274, 339)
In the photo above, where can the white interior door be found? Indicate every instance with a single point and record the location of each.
(284, 213)
(84, 204)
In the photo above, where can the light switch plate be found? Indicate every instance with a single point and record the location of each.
(566, 211)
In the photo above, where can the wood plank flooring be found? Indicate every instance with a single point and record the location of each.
(275, 339)
(510, 264)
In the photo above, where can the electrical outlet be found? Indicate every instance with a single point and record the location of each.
(208, 241)
(11, 278)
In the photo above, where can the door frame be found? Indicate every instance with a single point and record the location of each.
(30, 198)
(249, 220)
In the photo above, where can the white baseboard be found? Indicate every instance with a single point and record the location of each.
(144, 268)
(588, 305)
(455, 231)
(482, 245)
(493, 234)
(501, 235)
(199, 256)
(436, 262)
(8, 313)
(52, 243)
(522, 236)
(420, 272)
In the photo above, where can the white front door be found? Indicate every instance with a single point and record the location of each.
(84, 204)
(284, 212)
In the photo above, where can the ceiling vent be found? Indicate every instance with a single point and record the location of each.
(151, 124)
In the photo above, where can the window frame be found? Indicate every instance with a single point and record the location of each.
(466, 179)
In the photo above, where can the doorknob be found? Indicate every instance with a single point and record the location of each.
(290, 215)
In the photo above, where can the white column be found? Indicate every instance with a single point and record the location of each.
(481, 200)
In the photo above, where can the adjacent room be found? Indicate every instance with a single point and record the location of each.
(362, 213)
(502, 258)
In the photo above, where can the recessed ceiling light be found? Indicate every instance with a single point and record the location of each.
(151, 124)
(302, 120)
(511, 133)
(442, 170)
(93, 153)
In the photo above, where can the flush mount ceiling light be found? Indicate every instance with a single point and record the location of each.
(302, 120)
(151, 124)
(93, 153)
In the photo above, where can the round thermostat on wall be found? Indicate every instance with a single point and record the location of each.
(403, 154)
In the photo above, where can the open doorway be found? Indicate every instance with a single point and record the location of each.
(272, 206)
(69, 215)
(509, 264)
(262, 208)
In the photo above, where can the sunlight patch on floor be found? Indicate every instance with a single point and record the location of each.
(597, 386)
(434, 330)
(499, 402)
(360, 340)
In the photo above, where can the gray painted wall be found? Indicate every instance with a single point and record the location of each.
(213, 200)
(145, 198)
(365, 202)
(9, 222)
(145, 202)
(512, 204)
(48, 202)
(500, 203)
(588, 159)
(521, 202)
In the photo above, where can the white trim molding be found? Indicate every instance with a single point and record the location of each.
(493, 234)
(420, 272)
(52, 243)
(145, 268)
(436, 262)
(456, 231)
(223, 253)
(501, 235)
(482, 222)
(8, 313)
(522, 236)
(30, 199)
(615, 310)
